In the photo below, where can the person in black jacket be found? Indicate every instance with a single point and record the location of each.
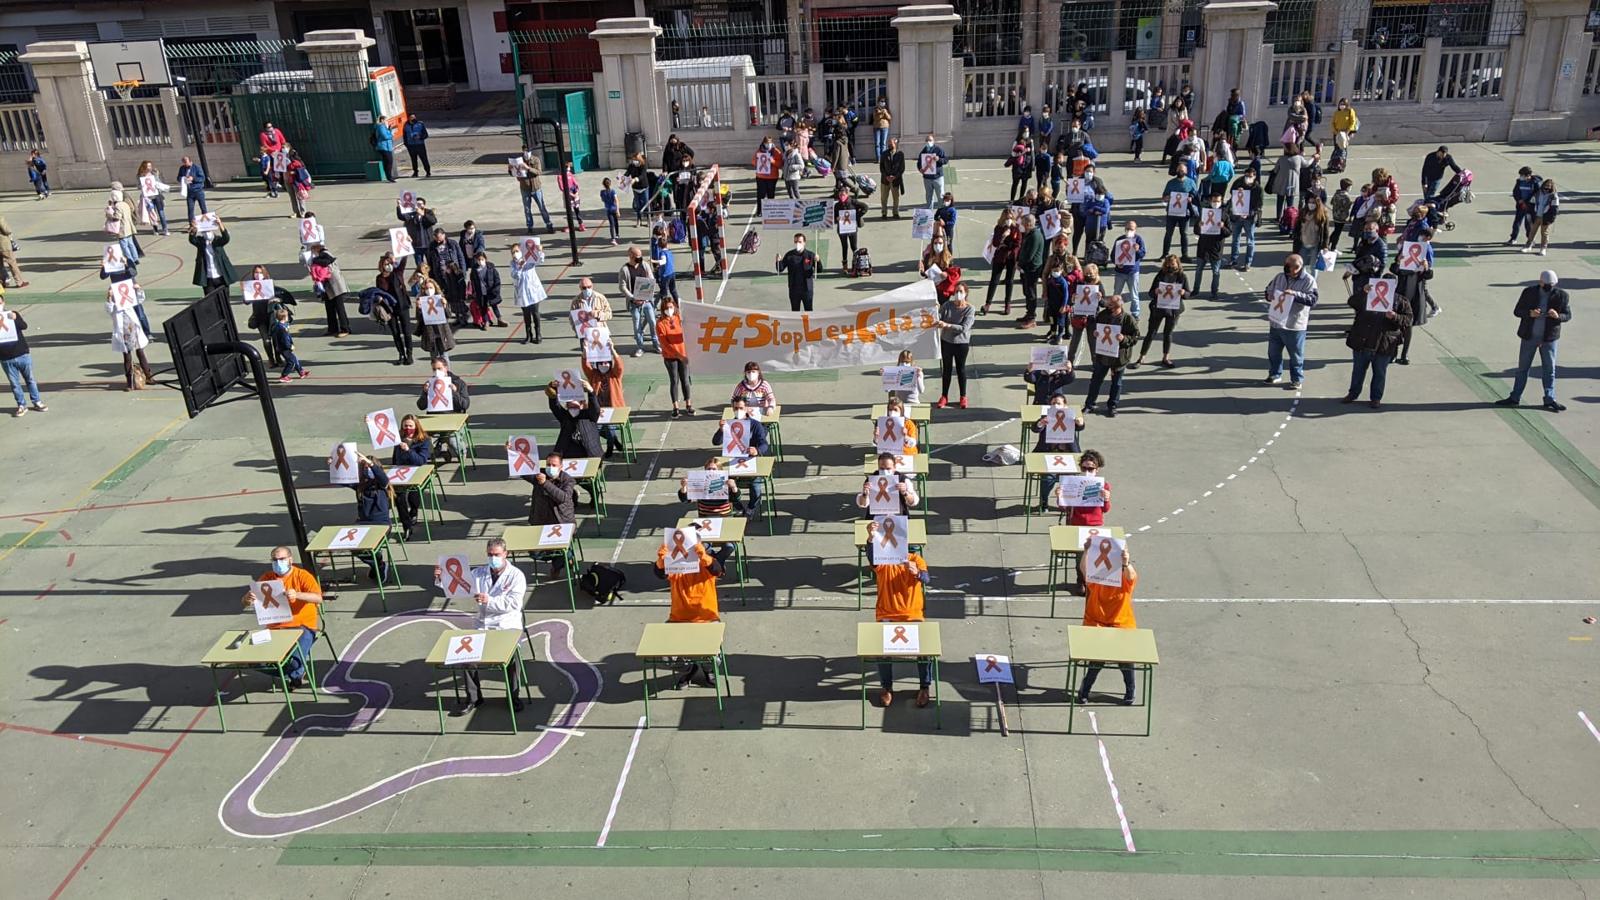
(449, 269)
(1540, 311)
(460, 400)
(1373, 339)
(1433, 166)
(800, 265)
(372, 508)
(892, 169)
(415, 449)
(554, 502)
(212, 268)
(486, 292)
(392, 281)
(419, 226)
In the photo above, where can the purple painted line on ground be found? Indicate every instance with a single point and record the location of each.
(238, 813)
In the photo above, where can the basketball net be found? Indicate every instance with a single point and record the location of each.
(124, 89)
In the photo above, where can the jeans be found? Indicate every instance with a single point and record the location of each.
(1547, 366)
(886, 675)
(387, 156)
(294, 668)
(1247, 228)
(934, 189)
(1215, 265)
(1098, 378)
(291, 363)
(1182, 227)
(19, 372)
(880, 142)
(1379, 363)
(130, 249)
(419, 154)
(644, 323)
(1279, 340)
(1128, 286)
(159, 204)
(613, 436)
(1094, 672)
(196, 197)
(144, 320)
(529, 198)
(613, 224)
(1429, 186)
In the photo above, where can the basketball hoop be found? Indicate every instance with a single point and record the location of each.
(124, 89)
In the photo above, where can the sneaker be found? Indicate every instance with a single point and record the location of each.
(1295, 385)
(1553, 406)
(638, 353)
(963, 403)
(1133, 365)
(1375, 404)
(1527, 249)
(1504, 401)
(943, 402)
(284, 380)
(21, 411)
(1127, 700)
(38, 407)
(1111, 412)
(674, 412)
(1273, 379)
(688, 410)
(1402, 361)
(1541, 253)
(304, 372)
(1511, 241)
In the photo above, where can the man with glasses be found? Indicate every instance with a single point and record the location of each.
(304, 594)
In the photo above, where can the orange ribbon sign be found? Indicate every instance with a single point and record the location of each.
(435, 305)
(1125, 252)
(900, 636)
(990, 664)
(349, 535)
(458, 579)
(883, 490)
(1277, 304)
(1103, 561)
(529, 247)
(889, 540)
(523, 448)
(400, 475)
(1380, 296)
(339, 461)
(1105, 335)
(555, 531)
(566, 380)
(267, 597)
(1058, 461)
(679, 549)
(437, 393)
(385, 433)
(259, 292)
(465, 646)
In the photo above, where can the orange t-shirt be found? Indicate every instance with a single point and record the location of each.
(694, 596)
(900, 591)
(1110, 607)
(669, 334)
(298, 579)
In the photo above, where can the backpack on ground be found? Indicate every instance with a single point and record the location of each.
(603, 581)
(861, 265)
(751, 242)
(1097, 253)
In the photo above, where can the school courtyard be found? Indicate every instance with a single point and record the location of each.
(1375, 675)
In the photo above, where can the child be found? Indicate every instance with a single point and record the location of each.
(568, 181)
(1136, 131)
(283, 342)
(608, 199)
(36, 174)
(268, 176)
(1056, 292)
(1340, 206)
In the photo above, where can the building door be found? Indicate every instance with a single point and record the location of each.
(428, 49)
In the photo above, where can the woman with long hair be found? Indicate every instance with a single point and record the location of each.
(1007, 244)
(955, 340)
(1164, 312)
(415, 449)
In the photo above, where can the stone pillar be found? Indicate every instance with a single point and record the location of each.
(1031, 26)
(1235, 57)
(1349, 64)
(338, 59)
(929, 89)
(1117, 114)
(739, 103)
(797, 40)
(1544, 86)
(72, 112)
(816, 89)
(1033, 88)
(1428, 82)
(629, 95)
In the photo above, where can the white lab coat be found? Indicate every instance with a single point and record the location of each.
(530, 290)
(503, 612)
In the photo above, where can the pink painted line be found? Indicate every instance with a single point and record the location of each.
(27, 518)
(26, 729)
(72, 558)
(622, 782)
(64, 535)
(1592, 729)
(1116, 799)
(46, 592)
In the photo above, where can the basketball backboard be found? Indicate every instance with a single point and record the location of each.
(142, 61)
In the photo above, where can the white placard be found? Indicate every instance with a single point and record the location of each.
(576, 468)
(1102, 561)
(271, 606)
(280, 161)
(112, 260)
(532, 248)
(883, 494)
(407, 202)
(557, 535)
(441, 395)
(1413, 256)
(645, 288)
(1017, 212)
(1211, 220)
(343, 465)
(148, 186)
(928, 164)
(763, 163)
(455, 576)
(845, 219)
(890, 542)
(522, 455)
(1086, 300)
(1076, 189)
(1169, 295)
(736, 436)
(890, 434)
(1060, 425)
(349, 536)
(8, 328)
(435, 310)
(1125, 251)
(1381, 293)
(401, 475)
(709, 529)
(1081, 490)
(681, 559)
(1050, 221)
(899, 378)
(1280, 309)
(125, 294)
(597, 344)
(400, 242)
(1048, 357)
(922, 224)
(310, 231)
(606, 415)
(1241, 203)
(257, 290)
(569, 386)
(1061, 464)
(1178, 206)
(384, 429)
(706, 484)
(1107, 339)
(465, 648)
(517, 167)
(993, 668)
(901, 638)
(205, 223)
(743, 467)
(257, 638)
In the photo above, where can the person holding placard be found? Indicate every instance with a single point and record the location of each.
(1290, 296)
(373, 507)
(895, 428)
(415, 449)
(691, 575)
(283, 345)
(1088, 297)
(1057, 290)
(910, 394)
(637, 285)
(299, 588)
(891, 169)
(498, 587)
(606, 378)
(1108, 606)
(1113, 333)
(1177, 198)
(212, 268)
(1372, 340)
(1212, 227)
(956, 317)
(901, 597)
(1167, 293)
(419, 223)
(263, 309)
(1002, 251)
(529, 290)
(888, 492)
(128, 339)
(1244, 212)
(153, 209)
(936, 259)
(1059, 431)
(931, 160)
(578, 434)
(448, 448)
(1091, 465)
(1127, 255)
(1413, 270)
(714, 494)
(1047, 380)
(848, 214)
(433, 318)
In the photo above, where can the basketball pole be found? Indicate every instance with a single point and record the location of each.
(194, 131)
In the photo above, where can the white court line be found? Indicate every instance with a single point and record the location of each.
(571, 732)
(633, 511)
(1586, 721)
(733, 258)
(1116, 800)
(622, 781)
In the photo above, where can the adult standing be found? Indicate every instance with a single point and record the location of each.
(153, 205)
(1523, 191)
(391, 280)
(892, 171)
(1118, 325)
(1290, 296)
(1433, 167)
(1546, 205)
(192, 181)
(8, 256)
(634, 282)
(768, 164)
(1164, 311)
(1311, 231)
(531, 186)
(1541, 309)
(449, 269)
(1031, 261)
(848, 212)
(931, 160)
(1127, 253)
(881, 117)
(484, 283)
(1285, 180)
(119, 216)
(674, 354)
(530, 290)
(415, 136)
(1005, 244)
(956, 317)
(382, 139)
(419, 223)
(1208, 245)
(1244, 212)
(794, 169)
(1372, 339)
(1179, 196)
(271, 139)
(800, 265)
(438, 339)
(17, 361)
(212, 268)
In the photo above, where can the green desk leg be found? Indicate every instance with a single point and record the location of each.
(716, 671)
(438, 695)
(938, 706)
(571, 576)
(439, 482)
(739, 553)
(1149, 707)
(426, 495)
(863, 695)
(776, 433)
(1055, 561)
(649, 674)
(923, 489)
(1072, 692)
(216, 691)
(630, 450)
(382, 548)
(511, 696)
(283, 681)
(1027, 502)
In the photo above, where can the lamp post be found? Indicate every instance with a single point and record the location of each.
(194, 127)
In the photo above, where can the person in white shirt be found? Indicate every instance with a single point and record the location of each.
(498, 589)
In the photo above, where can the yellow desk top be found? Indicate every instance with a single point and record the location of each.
(917, 532)
(442, 423)
(757, 466)
(869, 640)
(497, 650)
(583, 466)
(733, 528)
(615, 415)
(1116, 645)
(410, 476)
(248, 654)
(688, 639)
(913, 464)
(525, 538)
(325, 536)
(768, 417)
(1034, 463)
(1070, 538)
(1031, 412)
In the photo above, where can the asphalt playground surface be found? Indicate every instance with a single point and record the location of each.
(1373, 654)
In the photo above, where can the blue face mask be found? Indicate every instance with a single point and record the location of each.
(497, 562)
(281, 566)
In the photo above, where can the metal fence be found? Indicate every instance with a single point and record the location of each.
(15, 84)
(1296, 73)
(862, 43)
(992, 33)
(20, 129)
(774, 92)
(221, 67)
(771, 46)
(1091, 30)
(556, 56)
(138, 123)
(1291, 26)
(1388, 76)
(993, 92)
(1468, 23)
(1471, 74)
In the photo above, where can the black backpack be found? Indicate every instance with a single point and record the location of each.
(602, 581)
(1097, 253)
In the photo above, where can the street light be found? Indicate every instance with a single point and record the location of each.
(194, 128)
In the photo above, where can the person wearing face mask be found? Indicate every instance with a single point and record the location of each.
(449, 269)
(471, 242)
(555, 495)
(1297, 289)
(684, 179)
(578, 423)
(419, 224)
(1541, 310)
(449, 446)
(666, 268)
(415, 449)
(848, 213)
(931, 160)
(1164, 318)
(1058, 401)
(1367, 258)
(119, 222)
(1244, 225)
(881, 142)
(304, 594)
(588, 301)
(768, 164)
(497, 589)
(634, 280)
(708, 235)
(128, 339)
(1126, 329)
(674, 354)
(1129, 246)
(391, 279)
(212, 268)
(1372, 339)
(756, 392)
(328, 283)
(945, 217)
(1030, 260)
(438, 340)
(936, 259)
(1546, 205)
(530, 290)
(1208, 247)
(485, 288)
(956, 317)
(606, 377)
(1006, 243)
(892, 169)
(800, 265)
(373, 507)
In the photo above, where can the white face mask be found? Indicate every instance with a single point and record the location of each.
(938, 247)
(799, 245)
(752, 377)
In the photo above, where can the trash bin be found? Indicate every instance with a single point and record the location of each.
(634, 142)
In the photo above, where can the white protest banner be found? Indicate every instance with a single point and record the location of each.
(922, 224)
(343, 464)
(1047, 357)
(441, 395)
(1081, 490)
(8, 327)
(348, 537)
(883, 494)
(993, 668)
(1412, 256)
(310, 231)
(1211, 220)
(113, 261)
(597, 344)
(1177, 206)
(1169, 295)
(400, 243)
(522, 455)
(271, 606)
(257, 290)
(1102, 561)
(1060, 426)
(1381, 293)
(433, 309)
(1241, 203)
(864, 335)
(381, 427)
(899, 378)
(455, 576)
(570, 385)
(681, 556)
(901, 637)
(736, 437)
(889, 540)
(779, 215)
(890, 434)
(1050, 221)
(1086, 301)
(465, 648)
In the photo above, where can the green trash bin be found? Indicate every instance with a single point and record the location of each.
(375, 170)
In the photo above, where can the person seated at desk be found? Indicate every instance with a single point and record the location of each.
(1047, 486)
(913, 394)
(755, 390)
(607, 380)
(1048, 382)
(578, 424)
(908, 492)
(1105, 606)
(1090, 463)
(498, 588)
(554, 502)
(709, 506)
(897, 407)
(460, 399)
(758, 445)
(900, 599)
(694, 597)
(304, 594)
(415, 449)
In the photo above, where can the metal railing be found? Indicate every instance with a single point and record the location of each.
(1295, 73)
(1388, 76)
(1060, 81)
(700, 103)
(20, 128)
(1145, 75)
(774, 92)
(861, 90)
(218, 67)
(138, 123)
(1476, 74)
(1591, 78)
(214, 117)
(993, 92)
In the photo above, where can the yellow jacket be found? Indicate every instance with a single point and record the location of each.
(1345, 119)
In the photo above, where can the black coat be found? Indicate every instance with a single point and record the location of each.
(553, 503)
(486, 284)
(579, 436)
(801, 267)
(219, 255)
(1529, 301)
(1375, 331)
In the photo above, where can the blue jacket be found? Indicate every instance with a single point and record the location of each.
(938, 167)
(415, 133)
(1098, 206)
(662, 257)
(282, 341)
(947, 215)
(1133, 269)
(382, 137)
(198, 185)
(758, 437)
(419, 454)
(372, 504)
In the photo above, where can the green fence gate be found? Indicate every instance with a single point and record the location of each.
(331, 131)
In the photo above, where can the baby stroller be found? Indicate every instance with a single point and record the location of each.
(1458, 190)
